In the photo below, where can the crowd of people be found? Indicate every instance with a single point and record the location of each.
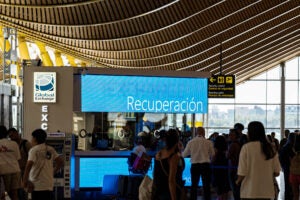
(246, 164)
(27, 166)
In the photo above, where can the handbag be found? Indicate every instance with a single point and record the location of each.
(145, 188)
(142, 163)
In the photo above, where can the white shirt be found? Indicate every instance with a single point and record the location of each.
(200, 149)
(258, 172)
(9, 156)
(41, 173)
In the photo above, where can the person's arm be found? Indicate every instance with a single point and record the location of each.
(239, 180)
(58, 164)
(173, 163)
(26, 173)
(276, 166)
(187, 151)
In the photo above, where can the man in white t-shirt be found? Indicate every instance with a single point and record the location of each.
(38, 175)
(201, 151)
(9, 166)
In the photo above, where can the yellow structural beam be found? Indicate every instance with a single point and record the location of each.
(44, 54)
(83, 64)
(7, 43)
(23, 49)
(58, 59)
(71, 61)
(18, 74)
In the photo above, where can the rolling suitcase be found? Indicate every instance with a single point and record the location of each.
(133, 185)
(122, 186)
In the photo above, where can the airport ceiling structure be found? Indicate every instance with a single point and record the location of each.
(236, 37)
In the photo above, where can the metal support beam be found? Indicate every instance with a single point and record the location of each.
(282, 101)
(10, 55)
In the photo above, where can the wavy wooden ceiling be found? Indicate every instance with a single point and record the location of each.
(164, 34)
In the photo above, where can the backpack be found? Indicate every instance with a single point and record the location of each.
(295, 164)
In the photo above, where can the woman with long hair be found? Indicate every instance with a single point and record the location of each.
(168, 168)
(258, 165)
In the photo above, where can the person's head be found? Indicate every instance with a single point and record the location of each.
(13, 134)
(201, 131)
(286, 133)
(233, 134)
(291, 138)
(139, 141)
(171, 138)
(39, 136)
(3, 132)
(239, 127)
(273, 134)
(220, 143)
(256, 131)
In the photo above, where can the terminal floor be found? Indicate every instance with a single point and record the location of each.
(97, 195)
(93, 195)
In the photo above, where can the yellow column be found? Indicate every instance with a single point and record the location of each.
(71, 61)
(58, 59)
(7, 43)
(83, 64)
(24, 53)
(19, 81)
(44, 54)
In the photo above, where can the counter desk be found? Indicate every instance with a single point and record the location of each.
(91, 166)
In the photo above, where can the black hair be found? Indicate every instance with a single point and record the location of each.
(171, 138)
(220, 143)
(291, 138)
(3, 132)
(239, 126)
(256, 132)
(12, 130)
(40, 135)
(297, 143)
(234, 131)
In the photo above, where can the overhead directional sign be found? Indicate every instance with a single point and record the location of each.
(221, 86)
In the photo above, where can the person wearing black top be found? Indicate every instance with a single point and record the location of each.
(285, 155)
(168, 168)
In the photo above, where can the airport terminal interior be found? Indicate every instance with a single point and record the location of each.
(121, 70)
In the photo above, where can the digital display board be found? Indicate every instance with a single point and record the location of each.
(92, 171)
(119, 93)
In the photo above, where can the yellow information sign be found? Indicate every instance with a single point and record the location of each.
(221, 86)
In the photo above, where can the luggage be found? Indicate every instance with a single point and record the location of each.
(134, 182)
(122, 186)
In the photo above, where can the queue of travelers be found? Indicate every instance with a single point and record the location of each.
(27, 167)
(246, 164)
